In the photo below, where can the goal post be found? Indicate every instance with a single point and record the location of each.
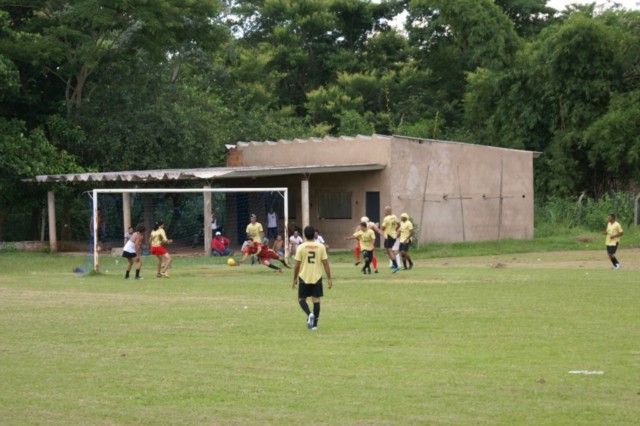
(204, 231)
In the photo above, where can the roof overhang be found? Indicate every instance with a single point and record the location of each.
(211, 173)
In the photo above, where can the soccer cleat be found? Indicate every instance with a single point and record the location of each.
(369, 271)
(314, 328)
(311, 320)
(158, 275)
(376, 271)
(164, 274)
(279, 270)
(139, 278)
(357, 263)
(411, 266)
(395, 269)
(617, 267)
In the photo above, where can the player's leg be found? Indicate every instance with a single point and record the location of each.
(356, 253)
(167, 263)
(138, 260)
(305, 291)
(374, 260)
(316, 311)
(130, 264)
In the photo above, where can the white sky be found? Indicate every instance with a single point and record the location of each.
(627, 4)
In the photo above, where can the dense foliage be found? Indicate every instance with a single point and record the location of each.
(103, 85)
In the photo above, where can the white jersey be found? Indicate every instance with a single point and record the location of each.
(129, 247)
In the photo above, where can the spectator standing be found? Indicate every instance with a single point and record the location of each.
(272, 224)
(254, 229)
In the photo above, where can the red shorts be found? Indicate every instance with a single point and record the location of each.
(158, 251)
(264, 256)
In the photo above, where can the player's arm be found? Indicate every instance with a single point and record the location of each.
(409, 235)
(296, 271)
(327, 271)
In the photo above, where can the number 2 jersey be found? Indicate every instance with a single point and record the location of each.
(310, 254)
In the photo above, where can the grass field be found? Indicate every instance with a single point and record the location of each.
(482, 340)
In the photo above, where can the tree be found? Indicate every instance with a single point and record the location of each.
(72, 41)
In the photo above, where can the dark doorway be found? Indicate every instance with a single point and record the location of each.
(372, 206)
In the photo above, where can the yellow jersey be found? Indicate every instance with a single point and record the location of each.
(254, 230)
(310, 254)
(157, 238)
(367, 239)
(613, 228)
(406, 229)
(390, 226)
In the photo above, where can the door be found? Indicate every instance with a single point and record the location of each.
(372, 206)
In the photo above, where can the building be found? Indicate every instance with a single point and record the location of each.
(453, 192)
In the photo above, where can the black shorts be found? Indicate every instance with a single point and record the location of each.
(367, 255)
(309, 290)
(389, 242)
(612, 249)
(405, 246)
(128, 254)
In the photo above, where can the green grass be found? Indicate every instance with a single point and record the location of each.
(456, 341)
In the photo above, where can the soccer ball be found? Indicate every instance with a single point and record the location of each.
(231, 262)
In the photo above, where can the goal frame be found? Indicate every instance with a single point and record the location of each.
(206, 191)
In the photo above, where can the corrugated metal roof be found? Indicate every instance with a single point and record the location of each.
(203, 173)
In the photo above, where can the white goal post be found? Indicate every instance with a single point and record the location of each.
(206, 209)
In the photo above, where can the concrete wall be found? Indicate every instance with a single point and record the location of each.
(327, 151)
(462, 192)
(453, 191)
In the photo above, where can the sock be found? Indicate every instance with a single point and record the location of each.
(126, 275)
(614, 260)
(367, 264)
(273, 267)
(375, 262)
(356, 253)
(404, 263)
(394, 263)
(305, 307)
(316, 313)
(137, 273)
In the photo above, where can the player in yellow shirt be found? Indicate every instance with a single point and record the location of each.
(254, 229)
(406, 233)
(367, 239)
(613, 234)
(311, 258)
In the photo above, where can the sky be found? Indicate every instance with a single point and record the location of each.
(561, 4)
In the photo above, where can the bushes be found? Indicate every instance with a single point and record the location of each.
(590, 214)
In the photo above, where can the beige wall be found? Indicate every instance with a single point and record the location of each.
(460, 199)
(452, 191)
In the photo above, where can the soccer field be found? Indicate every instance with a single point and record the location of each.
(524, 339)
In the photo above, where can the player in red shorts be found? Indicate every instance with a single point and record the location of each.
(263, 253)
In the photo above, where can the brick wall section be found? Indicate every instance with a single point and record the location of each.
(234, 158)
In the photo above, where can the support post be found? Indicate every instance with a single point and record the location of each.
(53, 238)
(304, 192)
(207, 221)
(126, 211)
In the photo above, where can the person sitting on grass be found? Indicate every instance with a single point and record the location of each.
(220, 245)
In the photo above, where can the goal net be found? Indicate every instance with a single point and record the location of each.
(191, 217)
